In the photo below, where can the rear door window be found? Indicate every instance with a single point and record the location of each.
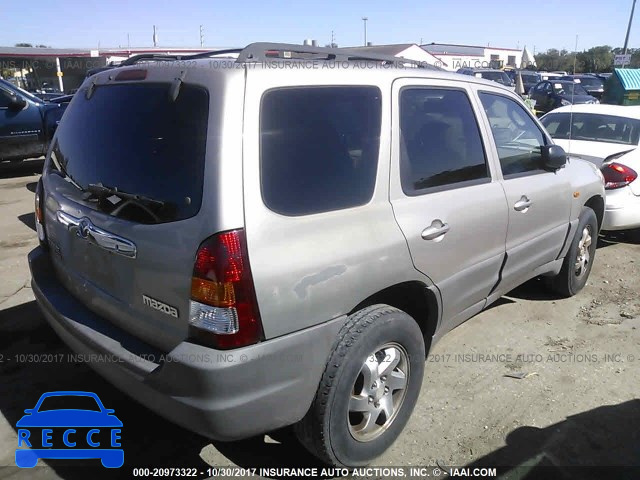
(319, 148)
(135, 138)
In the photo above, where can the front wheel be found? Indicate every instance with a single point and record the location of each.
(368, 390)
(579, 260)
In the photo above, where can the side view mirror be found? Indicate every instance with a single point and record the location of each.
(553, 157)
(17, 103)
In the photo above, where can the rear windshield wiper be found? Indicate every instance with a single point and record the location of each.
(100, 191)
(63, 171)
(149, 205)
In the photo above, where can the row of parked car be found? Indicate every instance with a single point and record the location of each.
(549, 89)
(606, 135)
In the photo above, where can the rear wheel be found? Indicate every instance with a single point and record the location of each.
(368, 390)
(579, 260)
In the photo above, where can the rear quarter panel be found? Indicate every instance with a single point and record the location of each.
(310, 269)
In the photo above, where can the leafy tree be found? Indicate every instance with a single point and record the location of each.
(554, 59)
(596, 59)
(31, 45)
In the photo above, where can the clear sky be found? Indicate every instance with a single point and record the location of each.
(541, 24)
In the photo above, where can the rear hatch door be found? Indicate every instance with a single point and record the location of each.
(128, 254)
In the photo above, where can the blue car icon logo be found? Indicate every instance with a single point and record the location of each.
(69, 425)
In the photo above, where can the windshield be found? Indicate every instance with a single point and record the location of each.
(590, 82)
(568, 89)
(530, 77)
(499, 77)
(134, 138)
(593, 127)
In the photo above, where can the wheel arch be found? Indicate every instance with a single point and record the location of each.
(596, 203)
(413, 298)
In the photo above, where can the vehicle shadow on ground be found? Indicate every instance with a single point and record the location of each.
(631, 237)
(21, 169)
(596, 444)
(29, 220)
(278, 449)
(35, 361)
(534, 289)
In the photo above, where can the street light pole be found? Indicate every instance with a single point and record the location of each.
(575, 55)
(364, 19)
(626, 39)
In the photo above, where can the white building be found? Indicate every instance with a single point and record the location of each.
(410, 51)
(455, 56)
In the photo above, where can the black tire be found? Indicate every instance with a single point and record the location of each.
(329, 429)
(570, 281)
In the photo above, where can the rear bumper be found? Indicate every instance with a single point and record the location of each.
(224, 395)
(622, 210)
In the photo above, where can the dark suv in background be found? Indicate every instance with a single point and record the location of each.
(489, 74)
(592, 84)
(550, 94)
(529, 78)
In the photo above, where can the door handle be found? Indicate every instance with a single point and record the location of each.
(435, 231)
(523, 204)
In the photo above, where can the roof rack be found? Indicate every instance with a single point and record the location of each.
(172, 58)
(264, 52)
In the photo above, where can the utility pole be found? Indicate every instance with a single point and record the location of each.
(155, 37)
(333, 39)
(364, 19)
(201, 36)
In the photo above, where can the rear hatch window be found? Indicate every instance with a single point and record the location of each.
(136, 139)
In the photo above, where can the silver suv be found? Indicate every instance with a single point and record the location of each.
(277, 238)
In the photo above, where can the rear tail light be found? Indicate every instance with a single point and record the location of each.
(39, 213)
(617, 175)
(223, 310)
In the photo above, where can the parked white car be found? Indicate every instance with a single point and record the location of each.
(594, 131)
(607, 135)
(622, 205)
